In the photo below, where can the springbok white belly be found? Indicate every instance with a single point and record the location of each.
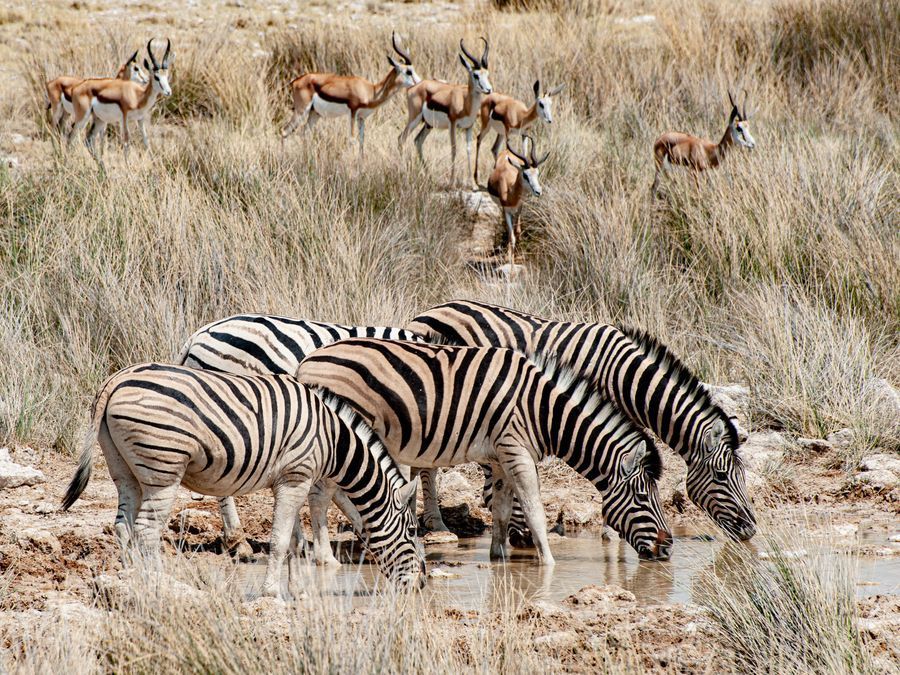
(67, 105)
(106, 112)
(328, 108)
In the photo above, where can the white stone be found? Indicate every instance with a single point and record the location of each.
(438, 573)
(453, 482)
(880, 479)
(845, 530)
(880, 462)
(842, 438)
(14, 475)
(40, 540)
(885, 394)
(763, 449)
(45, 507)
(786, 555)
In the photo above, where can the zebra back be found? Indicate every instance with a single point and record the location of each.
(259, 344)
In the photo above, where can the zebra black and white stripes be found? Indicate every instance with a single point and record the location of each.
(163, 426)
(639, 374)
(442, 406)
(259, 344)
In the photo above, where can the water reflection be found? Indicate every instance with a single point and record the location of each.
(477, 583)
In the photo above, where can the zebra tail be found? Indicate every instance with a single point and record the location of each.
(86, 462)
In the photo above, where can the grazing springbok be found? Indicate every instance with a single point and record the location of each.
(328, 95)
(57, 88)
(508, 116)
(512, 173)
(699, 154)
(119, 101)
(440, 105)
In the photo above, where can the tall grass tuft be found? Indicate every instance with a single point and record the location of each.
(792, 612)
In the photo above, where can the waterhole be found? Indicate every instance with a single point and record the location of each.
(468, 579)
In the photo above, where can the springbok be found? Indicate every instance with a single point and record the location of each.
(507, 116)
(57, 89)
(512, 173)
(440, 105)
(699, 154)
(328, 95)
(118, 101)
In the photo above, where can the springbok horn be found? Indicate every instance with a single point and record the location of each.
(731, 99)
(165, 63)
(484, 56)
(150, 53)
(531, 147)
(744, 106)
(401, 52)
(465, 51)
(542, 159)
(515, 154)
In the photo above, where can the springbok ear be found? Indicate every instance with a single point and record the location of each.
(133, 57)
(556, 90)
(393, 63)
(512, 163)
(537, 88)
(407, 493)
(633, 461)
(713, 436)
(465, 63)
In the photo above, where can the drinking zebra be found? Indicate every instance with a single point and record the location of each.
(639, 374)
(437, 406)
(257, 344)
(163, 426)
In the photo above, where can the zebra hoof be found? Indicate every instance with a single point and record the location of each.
(521, 539)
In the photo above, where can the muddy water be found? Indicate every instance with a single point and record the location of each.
(474, 582)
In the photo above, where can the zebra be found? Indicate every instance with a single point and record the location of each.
(163, 426)
(640, 375)
(435, 405)
(259, 344)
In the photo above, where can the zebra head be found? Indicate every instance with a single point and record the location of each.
(715, 480)
(393, 541)
(631, 501)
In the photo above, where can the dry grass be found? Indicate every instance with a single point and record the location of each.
(781, 272)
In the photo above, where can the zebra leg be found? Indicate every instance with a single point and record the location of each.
(127, 486)
(235, 538)
(524, 477)
(431, 514)
(288, 500)
(501, 509)
(519, 534)
(156, 506)
(320, 496)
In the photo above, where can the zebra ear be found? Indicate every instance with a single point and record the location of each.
(713, 435)
(631, 462)
(407, 494)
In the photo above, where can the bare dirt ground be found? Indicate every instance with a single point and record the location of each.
(51, 560)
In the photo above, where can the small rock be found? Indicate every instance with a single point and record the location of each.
(842, 438)
(438, 573)
(14, 475)
(18, 139)
(815, 444)
(559, 640)
(45, 507)
(439, 537)
(885, 393)
(542, 609)
(453, 484)
(10, 162)
(879, 479)
(880, 462)
(600, 595)
(39, 540)
(762, 449)
(786, 555)
(894, 538)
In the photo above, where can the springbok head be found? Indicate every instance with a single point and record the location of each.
(737, 122)
(528, 164)
(543, 100)
(403, 67)
(159, 71)
(130, 70)
(477, 68)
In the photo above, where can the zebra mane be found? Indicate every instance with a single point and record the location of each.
(362, 430)
(580, 390)
(676, 369)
